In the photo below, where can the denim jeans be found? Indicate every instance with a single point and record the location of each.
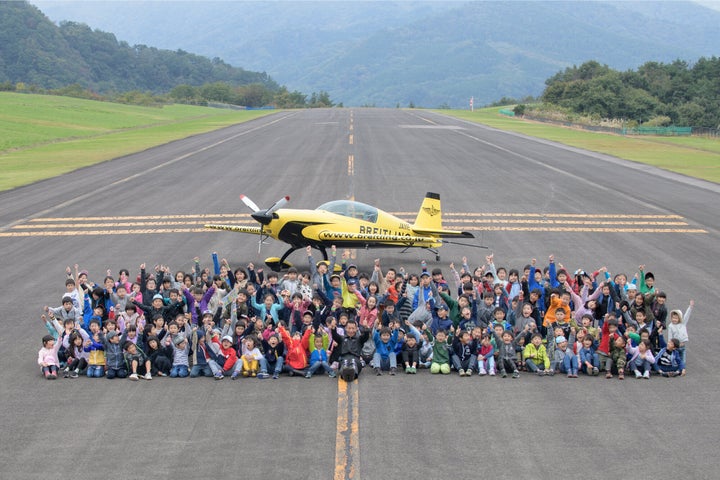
(486, 365)
(203, 370)
(179, 371)
(569, 364)
(592, 358)
(320, 364)
(116, 372)
(96, 371)
(384, 363)
(276, 366)
(641, 365)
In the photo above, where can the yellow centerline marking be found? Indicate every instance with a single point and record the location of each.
(351, 139)
(347, 441)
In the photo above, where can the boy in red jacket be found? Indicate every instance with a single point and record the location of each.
(609, 334)
(297, 347)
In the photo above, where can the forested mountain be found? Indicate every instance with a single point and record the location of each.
(428, 53)
(35, 51)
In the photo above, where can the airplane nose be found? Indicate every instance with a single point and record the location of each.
(262, 217)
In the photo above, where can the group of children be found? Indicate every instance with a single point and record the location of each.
(331, 318)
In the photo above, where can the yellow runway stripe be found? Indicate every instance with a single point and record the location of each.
(347, 441)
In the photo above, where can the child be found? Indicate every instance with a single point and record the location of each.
(668, 361)
(297, 350)
(486, 356)
(588, 360)
(114, 359)
(203, 358)
(506, 353)
(678, 328)
(609, 335)
(226, 355)
(274, 357)
(384, 357)
(464, 348)
(410, 354)
(160, 363)
(641, 359)
(76, 356)
(181, 351)
(250, 358)
(565, 360)
(535, 356)
(319, 359)
(617, 357)
(138, 361)
(96, 349)
(442, 344)
(48, 357)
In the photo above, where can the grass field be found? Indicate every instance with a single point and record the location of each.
(44, 136)
(692, 156)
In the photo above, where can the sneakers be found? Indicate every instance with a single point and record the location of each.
(413, 370)
(393, 370)
(148, 376)
(595, 372)
(133, 376)
(234, 376)
(461, 372)
(161, 374)
(516, 374)
(503, 373)
(646, 375)
(74, 374)
(308, 375)
(638, 374)
(482, 371)
(377, 371)
(253, 373)
(408, 369)
(468, 372)
(540, 373)
(276, 376)
(608, 375)
(66, 372)
(550, 372)
(218, 376)
(492, 372)
(263, 375)
(332, 374)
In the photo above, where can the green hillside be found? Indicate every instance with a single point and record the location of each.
(44, 136)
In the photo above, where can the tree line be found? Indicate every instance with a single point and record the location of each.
(72, 59)
(676, 93)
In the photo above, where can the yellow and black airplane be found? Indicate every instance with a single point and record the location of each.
(346, 224)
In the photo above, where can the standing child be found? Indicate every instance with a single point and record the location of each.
(48, 357)
(678, 328)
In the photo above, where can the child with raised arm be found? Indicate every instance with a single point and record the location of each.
(678, 328)
(641, 359)
(384, 358)
(350, 345)
(48, 357)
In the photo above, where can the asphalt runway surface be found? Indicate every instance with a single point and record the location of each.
(523, 198)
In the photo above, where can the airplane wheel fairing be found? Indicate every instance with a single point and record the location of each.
(275, 264)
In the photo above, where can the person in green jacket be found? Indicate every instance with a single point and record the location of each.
(442, 343)
(535, 356)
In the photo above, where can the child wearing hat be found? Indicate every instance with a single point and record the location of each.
(181, 351)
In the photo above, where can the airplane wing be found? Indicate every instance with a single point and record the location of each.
(369, 237)
(236, 228)
(445, 233)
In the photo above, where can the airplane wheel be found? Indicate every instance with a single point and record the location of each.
(437, 258)
(275, 265)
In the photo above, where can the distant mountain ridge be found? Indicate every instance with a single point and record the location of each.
(426, 53)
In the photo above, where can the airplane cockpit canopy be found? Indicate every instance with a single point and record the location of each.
(351, 209)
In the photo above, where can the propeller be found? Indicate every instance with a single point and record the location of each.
(263, 217)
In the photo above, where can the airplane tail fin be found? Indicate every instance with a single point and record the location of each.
(429, 216)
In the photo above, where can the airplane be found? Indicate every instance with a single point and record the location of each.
(346, 224)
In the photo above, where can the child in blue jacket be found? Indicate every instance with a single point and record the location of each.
(384, 357)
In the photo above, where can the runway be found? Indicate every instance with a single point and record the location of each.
(522, 198)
